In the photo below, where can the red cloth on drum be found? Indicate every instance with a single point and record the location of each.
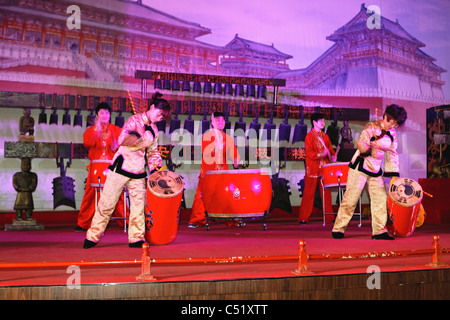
(307, 204)
(99, 149)
(214, 157)
(314, 161)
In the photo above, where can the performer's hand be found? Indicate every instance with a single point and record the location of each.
(130, 141)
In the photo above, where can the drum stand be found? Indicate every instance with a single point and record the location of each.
(98, 189)
(340, 188)
(238, 219)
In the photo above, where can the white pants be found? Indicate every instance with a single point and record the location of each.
(111, 192)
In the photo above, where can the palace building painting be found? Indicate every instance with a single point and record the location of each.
(40, 51)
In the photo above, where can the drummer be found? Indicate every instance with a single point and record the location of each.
(138, 145)
(377, 141)
(319, 151)
(101, 140)
(217, 148)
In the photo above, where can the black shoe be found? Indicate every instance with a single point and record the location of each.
(337, 235)
(89, 244)
(302, 222)
(383, 236)
(78, 229)
(137, 244)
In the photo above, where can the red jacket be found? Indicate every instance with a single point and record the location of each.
(314, 148)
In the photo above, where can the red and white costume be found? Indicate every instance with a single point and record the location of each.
(374, 144)
(128, 169)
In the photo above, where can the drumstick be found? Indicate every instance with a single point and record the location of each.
(427, 194)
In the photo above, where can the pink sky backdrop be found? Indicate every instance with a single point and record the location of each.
(300, 28)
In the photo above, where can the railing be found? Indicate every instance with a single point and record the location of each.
(302, 257)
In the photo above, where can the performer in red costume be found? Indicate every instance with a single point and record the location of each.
(138, 147)
(318, 151)
(101, 140)
(217, 148)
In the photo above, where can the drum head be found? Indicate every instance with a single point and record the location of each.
(165, 184)
(405, 192)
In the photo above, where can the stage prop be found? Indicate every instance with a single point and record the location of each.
(438, 140)
(437, 207)
(25, 183)
(237, 195)
(403, 204)
(334, 178)
(64, 186)
(162, 208)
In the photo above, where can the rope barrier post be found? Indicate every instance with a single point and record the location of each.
(145, 275)
(436, 258)
(302, 260)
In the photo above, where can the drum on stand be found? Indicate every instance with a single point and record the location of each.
(403, 204)
(98, 171)
(237, 194)
(335, 174)
(162, 207)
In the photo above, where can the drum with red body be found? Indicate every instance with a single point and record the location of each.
(162, 207)
(237, 193)
(403, 204)
(98, 171)
(334, 174)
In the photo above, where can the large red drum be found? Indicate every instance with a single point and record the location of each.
(403, 204)
(162, 207)
(237, 193)
(334, 174)
(97, 172)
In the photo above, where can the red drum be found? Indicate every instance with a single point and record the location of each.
(334, 173)
(237, 193)
(403, 204)
(97, 172)
(164, 195)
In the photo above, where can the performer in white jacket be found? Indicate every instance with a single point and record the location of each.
(138, 143)
(377, 141)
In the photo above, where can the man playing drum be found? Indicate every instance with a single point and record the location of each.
(138, 144)
(101, 140)
(217, 147)
(319, 151)
(377, 141)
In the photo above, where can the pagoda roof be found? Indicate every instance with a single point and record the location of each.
(137, 9)
(360, 21)
(256, 46)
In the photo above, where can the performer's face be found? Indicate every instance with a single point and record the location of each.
(155, 114)
(218, 123)
(103, 116)
(389, 122)
(319, 124)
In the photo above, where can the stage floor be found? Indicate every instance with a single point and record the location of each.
(58, 242)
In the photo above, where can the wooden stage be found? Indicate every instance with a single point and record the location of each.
(252, 264)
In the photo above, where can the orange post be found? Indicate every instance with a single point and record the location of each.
(145, 274)
(436, 258)
(302, 259)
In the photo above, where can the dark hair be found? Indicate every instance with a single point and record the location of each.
(316, 117)
(218, 114)
(397, 113)
(102, 105)
(161, 104)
